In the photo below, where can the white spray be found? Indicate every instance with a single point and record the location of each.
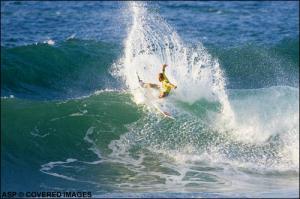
(151, 42)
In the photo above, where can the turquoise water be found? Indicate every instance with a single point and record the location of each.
(73, 120)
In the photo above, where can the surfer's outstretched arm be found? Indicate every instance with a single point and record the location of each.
(164, 71)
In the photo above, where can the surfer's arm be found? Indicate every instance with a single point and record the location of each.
(164, 67)
(164, 72)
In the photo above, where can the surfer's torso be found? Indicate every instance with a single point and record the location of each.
(166, 86)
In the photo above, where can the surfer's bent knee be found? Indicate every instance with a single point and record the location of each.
(163, 94)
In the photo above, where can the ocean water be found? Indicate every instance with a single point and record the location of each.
(73, 117)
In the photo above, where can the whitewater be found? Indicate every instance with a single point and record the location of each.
(152, 42)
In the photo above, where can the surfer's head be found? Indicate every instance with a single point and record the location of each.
(161, 77)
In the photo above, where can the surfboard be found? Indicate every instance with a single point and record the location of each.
(165, 113)
(155, 104)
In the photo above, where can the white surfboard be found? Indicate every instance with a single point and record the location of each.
(165, 113)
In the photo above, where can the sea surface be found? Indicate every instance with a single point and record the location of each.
(73, 117)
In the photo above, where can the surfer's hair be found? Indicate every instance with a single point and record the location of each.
(161, 76)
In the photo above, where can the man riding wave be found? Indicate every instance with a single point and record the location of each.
(166, 85)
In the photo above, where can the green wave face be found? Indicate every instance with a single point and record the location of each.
(254, 66)
(105, 142)
(34, 133)
(70, 69)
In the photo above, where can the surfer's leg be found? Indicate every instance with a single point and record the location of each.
(154, 86)
(149, 85)
(163, 94)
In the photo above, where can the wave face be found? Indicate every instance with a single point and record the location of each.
(105, 143)
(69, 69)
(73, 119)
(252, 66)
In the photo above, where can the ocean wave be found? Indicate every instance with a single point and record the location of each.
(67, 69)
(255, 66)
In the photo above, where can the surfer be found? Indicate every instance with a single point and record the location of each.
(166, 85)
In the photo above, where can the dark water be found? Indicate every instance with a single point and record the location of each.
(69, 123)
